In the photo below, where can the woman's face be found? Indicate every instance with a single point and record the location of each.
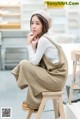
(36, 25)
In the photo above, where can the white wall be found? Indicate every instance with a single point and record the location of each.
(20, 1)
(32, 1)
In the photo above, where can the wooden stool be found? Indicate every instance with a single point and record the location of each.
(57, 103)
(75, 55)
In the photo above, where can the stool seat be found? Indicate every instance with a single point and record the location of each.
(57, 103)
(52, 93)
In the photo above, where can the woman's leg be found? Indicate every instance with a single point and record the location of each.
(25, 74)
(37, 79)
(19, 74)
(33, 101)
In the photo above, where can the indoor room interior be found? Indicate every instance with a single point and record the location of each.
(14, 27)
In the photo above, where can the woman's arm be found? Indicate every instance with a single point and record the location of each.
(36, 56)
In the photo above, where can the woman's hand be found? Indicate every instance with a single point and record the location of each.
(30, 38)
(33, 40)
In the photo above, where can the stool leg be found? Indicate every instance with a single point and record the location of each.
(70, 94)
(29, 113)
(55, 105)
(61, 108)
(74, 78)
(41, 107)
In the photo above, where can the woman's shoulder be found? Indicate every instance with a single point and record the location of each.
(43, 39)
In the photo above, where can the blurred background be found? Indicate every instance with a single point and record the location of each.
(14, 27)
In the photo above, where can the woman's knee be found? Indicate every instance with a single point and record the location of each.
(25, 64)
(24, 61)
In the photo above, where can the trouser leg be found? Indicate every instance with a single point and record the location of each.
(32, 100)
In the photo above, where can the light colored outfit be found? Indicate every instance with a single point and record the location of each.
(45, 47)
(48, 74)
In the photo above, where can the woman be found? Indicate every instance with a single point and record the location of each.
(47, 67)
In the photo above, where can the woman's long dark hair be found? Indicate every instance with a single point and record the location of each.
(45, 25)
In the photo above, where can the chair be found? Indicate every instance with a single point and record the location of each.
(57, 103)
(75, 55)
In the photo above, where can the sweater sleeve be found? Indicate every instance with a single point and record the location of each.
(36, 56)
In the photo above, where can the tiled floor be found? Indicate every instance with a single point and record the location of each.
(12, 96)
